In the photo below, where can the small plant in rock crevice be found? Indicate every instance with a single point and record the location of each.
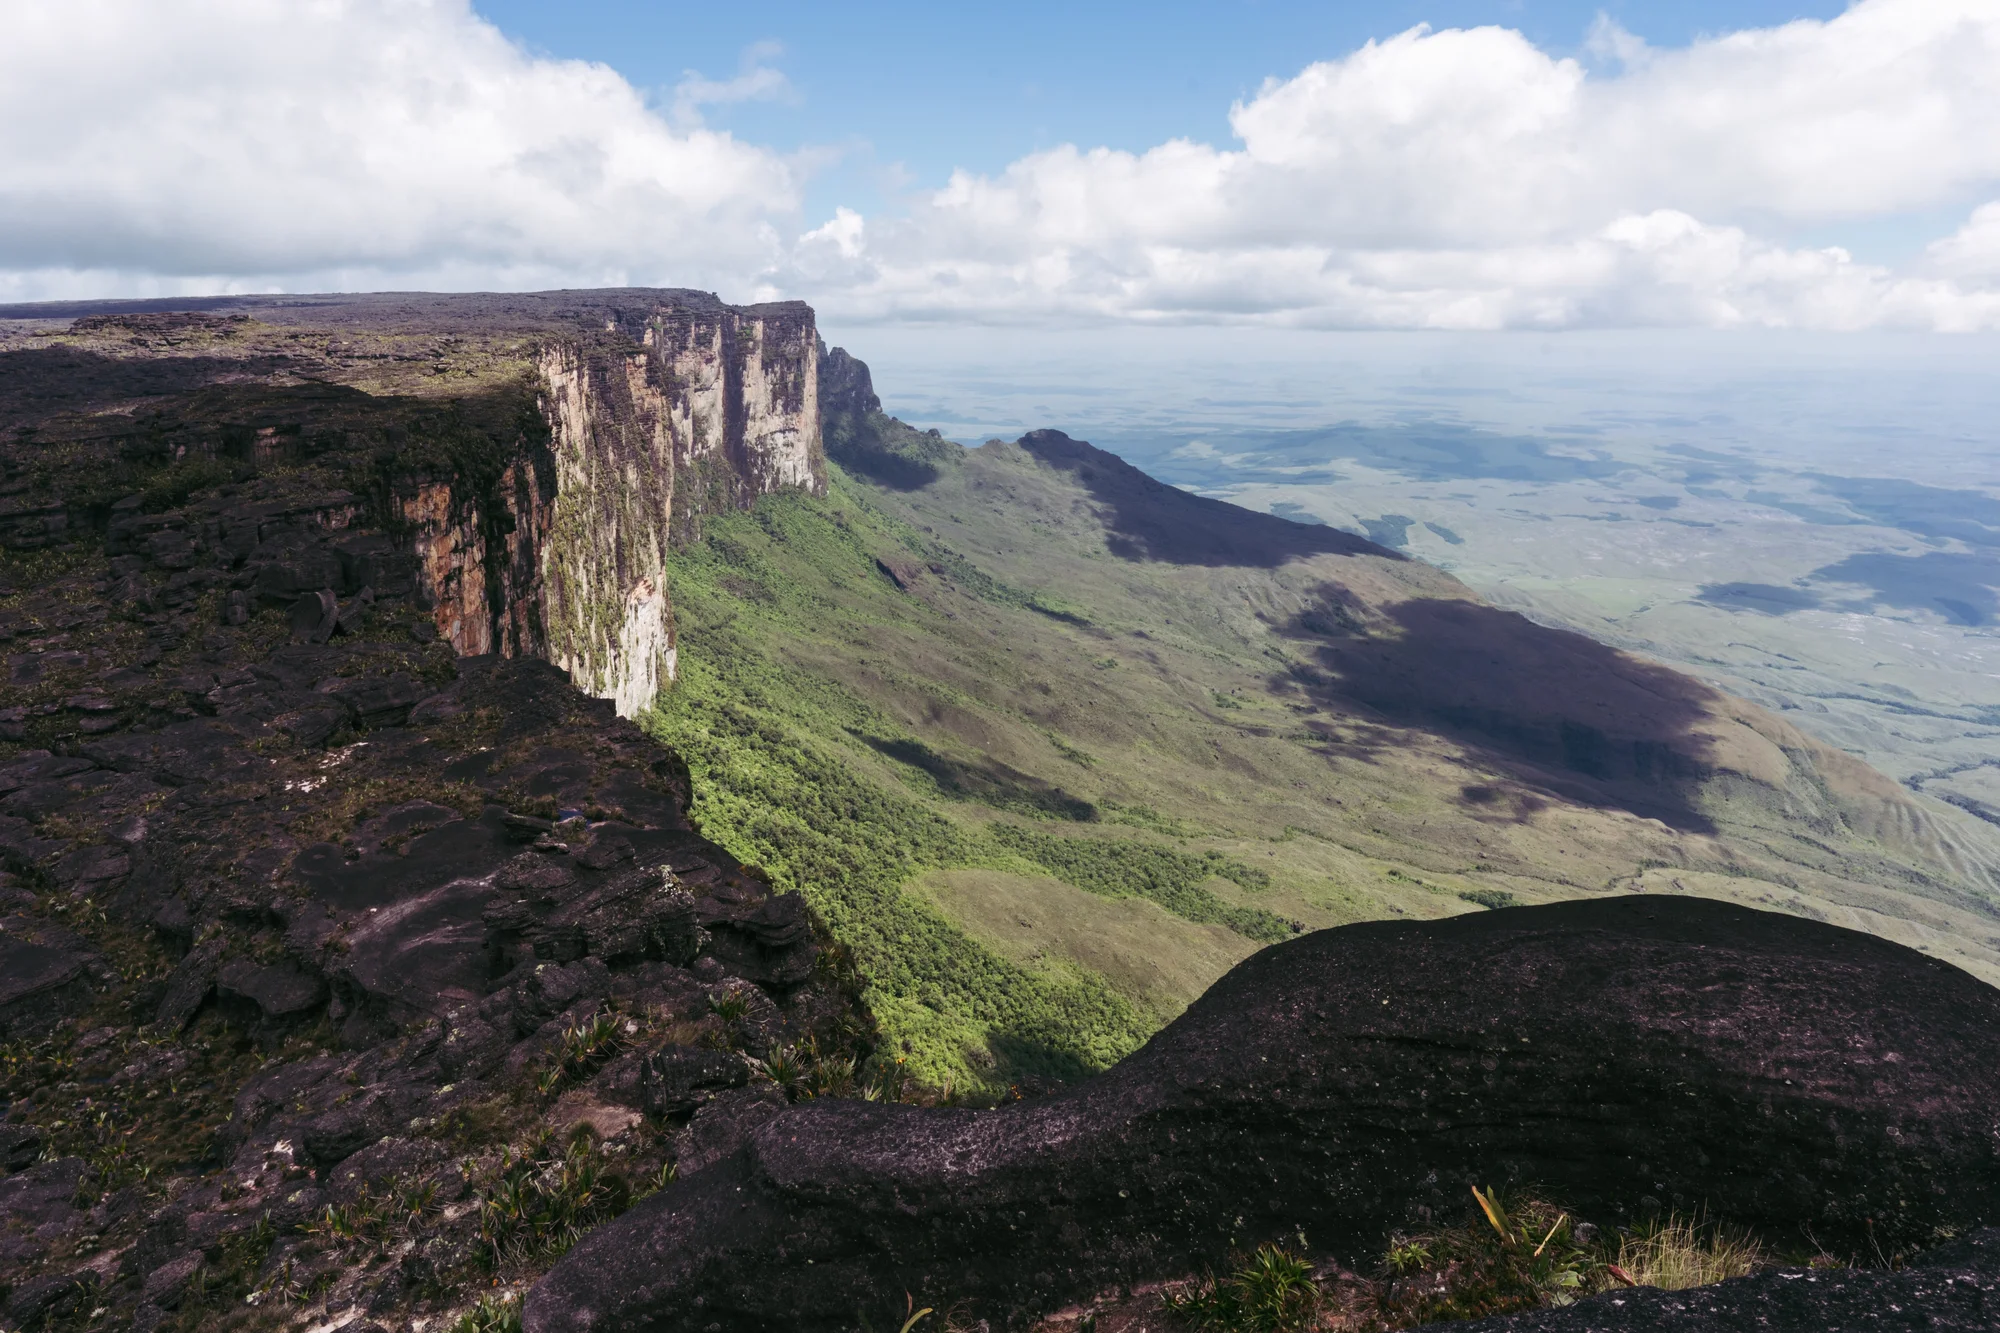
(1519, 1255)
(543, 1198)
(1271, 1291)
(493, 1314)
(729, 1005)
(581, 1048)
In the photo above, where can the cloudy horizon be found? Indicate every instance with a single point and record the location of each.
(1427, 178)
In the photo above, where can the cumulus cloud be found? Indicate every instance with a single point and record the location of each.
(1452, 179)
(155, 146)
(1971, 255)
(1468, 179)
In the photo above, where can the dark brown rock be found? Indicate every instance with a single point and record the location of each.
(1771, 1071)
(48, 1299)
(189, 985)
(42, 1199)
(44, 975)
(724, 1124)
(682, 1078)
(767, 938)
(277, 993)
(167, 1284)
(314, 615)
(20, 1145)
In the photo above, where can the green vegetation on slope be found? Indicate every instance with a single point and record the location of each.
(1171, 879)
(775, 794)
(884, 705)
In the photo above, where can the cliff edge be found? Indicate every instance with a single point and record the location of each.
(532, 457)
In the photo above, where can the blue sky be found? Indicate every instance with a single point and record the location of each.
(911, 91)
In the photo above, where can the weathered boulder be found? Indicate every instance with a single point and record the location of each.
(44, 975)
(270, 994)
(682, 1078)
(1952, 1289)
(41, 1200)
(166, 1284)
(725, 1124)
(20, 1145)
(55, 1296)
(189, 984)
(1776, 1072)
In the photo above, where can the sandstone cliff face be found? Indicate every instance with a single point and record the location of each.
(477, 558)
(534, 456)
(617, 422)
(677, 411)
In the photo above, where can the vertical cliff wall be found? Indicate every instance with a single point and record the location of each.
(670, 413)
(654, 411)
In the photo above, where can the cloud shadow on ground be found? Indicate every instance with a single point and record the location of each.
(1150, 520)
(1552, 710)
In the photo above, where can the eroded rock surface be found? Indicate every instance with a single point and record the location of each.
(313, 927)
(1619, 1054)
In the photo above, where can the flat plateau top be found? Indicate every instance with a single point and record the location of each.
(494, 310)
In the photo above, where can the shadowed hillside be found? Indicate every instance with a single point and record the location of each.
(1051, 744)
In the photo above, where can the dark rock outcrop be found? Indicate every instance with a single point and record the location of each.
(1952, 1289)
(312, 867)
(45, 974)
(57, 1296)
(1681, 1053)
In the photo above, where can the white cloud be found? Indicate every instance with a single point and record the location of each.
(1467, 179)
(1971, 255)
(1441, 179)
(349, 142)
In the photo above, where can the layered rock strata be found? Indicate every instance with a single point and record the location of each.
(533, 479)
(709, 409)
(1673, 1053)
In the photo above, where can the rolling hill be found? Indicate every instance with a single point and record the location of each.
(1051, 745)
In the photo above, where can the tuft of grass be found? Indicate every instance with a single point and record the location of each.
(1684, 1252)
(543, 1198)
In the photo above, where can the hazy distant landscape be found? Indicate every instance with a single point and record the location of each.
(1811, 523)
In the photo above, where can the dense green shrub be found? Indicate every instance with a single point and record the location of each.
(1122, 868)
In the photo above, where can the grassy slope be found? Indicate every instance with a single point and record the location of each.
(1047, 793)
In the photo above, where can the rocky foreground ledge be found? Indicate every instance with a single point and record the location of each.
(321, 944)
(1953, 1289)
(1628, 1054)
